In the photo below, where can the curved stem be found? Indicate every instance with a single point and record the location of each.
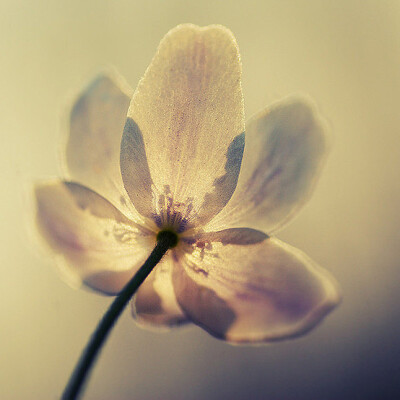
(165, 240)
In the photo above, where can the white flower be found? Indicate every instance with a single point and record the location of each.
(179, 167)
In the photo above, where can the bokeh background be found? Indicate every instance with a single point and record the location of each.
(346, 55)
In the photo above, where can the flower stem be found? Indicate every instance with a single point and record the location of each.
(165, 240)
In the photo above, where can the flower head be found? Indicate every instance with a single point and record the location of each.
(170, 158)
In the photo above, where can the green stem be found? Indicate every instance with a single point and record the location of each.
(165, 240)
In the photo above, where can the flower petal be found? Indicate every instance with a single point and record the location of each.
(183, 140)
(155, 305)
(112, 282)
(95, 130)
(285, 149)
(92, 238)
(241, 286)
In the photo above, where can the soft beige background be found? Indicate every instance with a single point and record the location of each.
(345, 54)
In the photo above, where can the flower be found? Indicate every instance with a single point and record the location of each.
(170, 158)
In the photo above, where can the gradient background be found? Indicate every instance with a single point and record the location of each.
(346, 55)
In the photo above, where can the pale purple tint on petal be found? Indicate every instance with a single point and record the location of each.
(251, 290)
(155, 304)
(95, 130)
(187, 118)
(89, 235)
(285, 148)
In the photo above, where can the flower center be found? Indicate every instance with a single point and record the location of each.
(169, 236)
(172, 215)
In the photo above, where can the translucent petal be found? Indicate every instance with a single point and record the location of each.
(112, 282)
(95, 130)
(91, 237)
(242, 286)
(182, 144)
(286, 145)
(155, 305)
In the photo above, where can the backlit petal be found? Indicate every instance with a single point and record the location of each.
(155, 305)
(285, 148)
(241, 286)
(95, 130)
(93, 240)
(182, 144)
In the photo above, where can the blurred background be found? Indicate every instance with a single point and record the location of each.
(346, 55)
